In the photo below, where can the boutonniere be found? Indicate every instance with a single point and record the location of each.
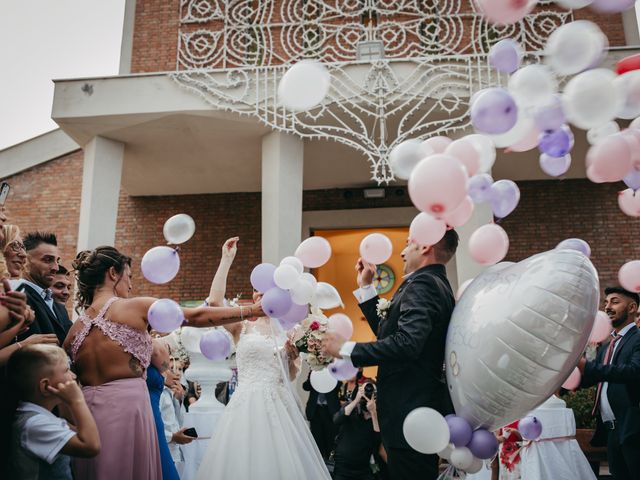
(382, 307)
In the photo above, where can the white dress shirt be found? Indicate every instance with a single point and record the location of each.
(171, 423)
(44, 293)
(605, 407)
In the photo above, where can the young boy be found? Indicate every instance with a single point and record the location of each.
(41, 442)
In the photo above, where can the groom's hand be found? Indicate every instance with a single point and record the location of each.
(332, 343)
(366, 272)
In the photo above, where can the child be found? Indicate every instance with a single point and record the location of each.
(41, 442)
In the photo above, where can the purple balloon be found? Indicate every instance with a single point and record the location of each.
(556, 143)
(530, 428)
(262, 277)
(632, 179)
(483, 444)
(554, 166)
(215, 345)
(505, 56)
(612, 6)
(550, 116)
(575, 244)
(165, 315)
(276, 302)
(160, 264)
(493, 111)
(342, 369)
(505, 196)
(460, 431)
(296, 314)
(479, 188)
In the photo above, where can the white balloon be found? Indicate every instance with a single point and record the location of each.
(462, 288)
(327, 296)
(487, 150)
(322, 381)
(310, 279)
(629, 85)
(425, 430)
(533, 85)
(294, 262)
(592, 98)
(304, 85)
(476, 465)
(286, 277)
(179, 229)
(597, 134)
(446, 451)
(522, 127)
(574, 4)
(461, 457)
(302, 292)
(405, 156)
(539, 312)
(635, 123)
(576, 46)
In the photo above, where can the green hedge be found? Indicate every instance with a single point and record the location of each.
(581, 402)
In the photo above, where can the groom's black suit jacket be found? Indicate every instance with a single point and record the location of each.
(46, 321)
(409, 351)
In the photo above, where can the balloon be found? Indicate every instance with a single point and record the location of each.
(628, 64)
(505, 196)
(516, 333)
(592, 98)
(466, 153)
(635, 124)
(262, 277)
(310, 279)
(296, 314)
(612, 6)
(342, 369)
(404, 157)
(215, 345)
(437, 144)
(475, 466)
(314, 252)
(555, 166)
(575, 244)
(293, 262)
(573, 4)
(460, 215)
(302, 292)
(506, 55)
(341, 324)
(629, 202)
(610, 159)
(276, 302)
(488, 244)
(632, 137)
(376, 248)
(304, 85)
(556, 143)
(425, 430)
(179, 229)
(322, 381)
(160, 264)
(479, 188)
(629, 276)
(632, 179)
(573, 380)
(529, 141)
(493, 111)
(427, 230)
(629, 84)
(487, 150)
(459, 431)
(165, 315)
(599, 133)
(575, 46)
(533, 85)
(438, 184)
(530, 428)
(446, 451)
(516, 135)
(550, 116)
(462, 288)
(327, 296)
(286, 276)
(483, 444)
(504, 12)
(461, 457)
(601, 328)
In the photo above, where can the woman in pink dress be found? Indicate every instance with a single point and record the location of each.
(111, 348)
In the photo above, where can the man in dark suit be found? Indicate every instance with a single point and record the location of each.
(320, 409)
(409, 350)
(42, 267)
(616, 371)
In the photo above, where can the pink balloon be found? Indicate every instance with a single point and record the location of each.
(438, 184)
(376, 248)
(529, 141)
(427, 230)
(488, 244)
(465, 151)
(609, 160)
(629, 276)
(573, 381)
(341, 324)
(505, 12)
(629, 202)
(438, 144)
(460, 215)
(314, 252)
(601, 328)
(632, 137)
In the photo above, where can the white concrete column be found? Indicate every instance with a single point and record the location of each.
(282, 166)
(101, 176)
(466, 267)
(126, 46)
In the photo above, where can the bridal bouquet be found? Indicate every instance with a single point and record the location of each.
(307, 337)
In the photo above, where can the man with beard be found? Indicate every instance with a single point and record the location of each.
(616, 371)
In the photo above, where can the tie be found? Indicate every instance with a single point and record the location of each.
(607, 360)
(47, 295)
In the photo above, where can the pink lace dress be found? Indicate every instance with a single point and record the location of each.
(121, 409)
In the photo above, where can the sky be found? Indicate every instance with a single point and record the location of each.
(41, 40)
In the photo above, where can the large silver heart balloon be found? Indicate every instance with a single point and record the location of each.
(517, 333)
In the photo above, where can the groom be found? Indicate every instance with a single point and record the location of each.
(409, 349)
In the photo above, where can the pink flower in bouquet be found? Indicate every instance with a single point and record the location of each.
(315, 325)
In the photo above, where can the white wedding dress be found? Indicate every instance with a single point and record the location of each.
(262, 433)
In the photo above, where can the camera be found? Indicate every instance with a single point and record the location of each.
(369, 393)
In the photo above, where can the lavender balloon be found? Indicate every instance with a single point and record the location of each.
(276, 302)
(555, 166)
(215, 345)
(505, 196)
(483, 444)
(505, 56)
(165, 315)
(479, 188)
(632, 179)
(459, 430)
(493, 111)
(575, 244)
(296, 314)
(160, 264)
(530, 428)
(550, 116)
(342, 369)
(556, 143)
(262, 277)
(612, 6)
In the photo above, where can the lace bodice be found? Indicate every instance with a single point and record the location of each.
(256, 358)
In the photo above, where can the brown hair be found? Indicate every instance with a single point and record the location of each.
(28, 365)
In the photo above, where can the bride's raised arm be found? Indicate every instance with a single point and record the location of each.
(219, 283)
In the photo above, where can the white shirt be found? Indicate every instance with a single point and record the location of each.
(362, 295)
(605, 407)
(41, 291)
(171, 423)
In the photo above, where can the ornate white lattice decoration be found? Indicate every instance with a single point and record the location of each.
(400, 68)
